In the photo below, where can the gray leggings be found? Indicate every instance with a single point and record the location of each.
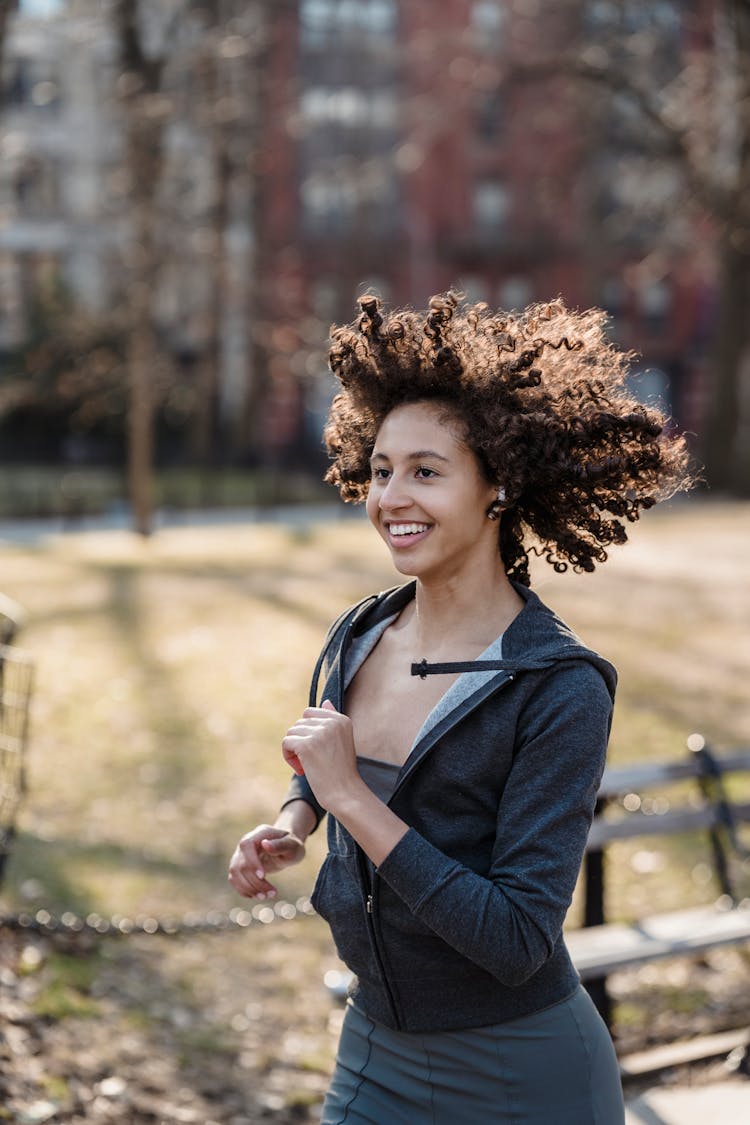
(554, 1067)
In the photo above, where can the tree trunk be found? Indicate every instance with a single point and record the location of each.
(725, 451)
(145, 119)
(7, 8)
(204, 423)
(727, 456)
(142, 358)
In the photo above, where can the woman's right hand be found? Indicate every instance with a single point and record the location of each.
(264, 849)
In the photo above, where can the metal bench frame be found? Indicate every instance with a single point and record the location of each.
(16, 682)
(601, 948)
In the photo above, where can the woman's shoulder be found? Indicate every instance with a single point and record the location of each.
(373, 608)
(539, 639)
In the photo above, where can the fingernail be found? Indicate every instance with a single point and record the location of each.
(260, 872)
(260, 895)
(271, 894)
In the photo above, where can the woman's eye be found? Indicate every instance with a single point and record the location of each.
(379, 474)
(425, 473)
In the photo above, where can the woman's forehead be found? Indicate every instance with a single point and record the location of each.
(425, 416)
(419, 429)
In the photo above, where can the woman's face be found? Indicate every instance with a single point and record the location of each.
(428, 498)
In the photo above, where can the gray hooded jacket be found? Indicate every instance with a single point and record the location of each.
(461, 925)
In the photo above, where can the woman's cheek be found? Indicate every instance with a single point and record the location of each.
(372, 505)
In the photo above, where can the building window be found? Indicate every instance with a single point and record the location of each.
(42, 9)
(655, 301)
(328, 202)
(341, 198)
(349, 107)
(325, 21)
(487, 23)
(317, 22)
(660, 15)
(490, 206)
(490, 118)
(488, 18)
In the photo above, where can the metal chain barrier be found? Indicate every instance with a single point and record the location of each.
(215, 921)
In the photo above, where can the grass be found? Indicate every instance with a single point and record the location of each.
(169, 669)
(66, 988)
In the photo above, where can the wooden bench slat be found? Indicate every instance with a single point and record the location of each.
(599, 950)
(659, 824)
(625, 779)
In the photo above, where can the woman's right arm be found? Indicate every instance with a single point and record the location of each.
(271, 847)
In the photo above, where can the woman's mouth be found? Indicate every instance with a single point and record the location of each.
(405, 534)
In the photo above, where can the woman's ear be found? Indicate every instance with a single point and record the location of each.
(496, 507)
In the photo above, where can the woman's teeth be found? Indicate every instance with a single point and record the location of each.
(407, 528)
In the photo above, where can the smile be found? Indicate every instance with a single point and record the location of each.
(407, 530)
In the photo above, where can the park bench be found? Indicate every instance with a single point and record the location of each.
(16, 674)
(600, 948)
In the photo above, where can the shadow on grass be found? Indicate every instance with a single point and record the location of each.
(39, 871)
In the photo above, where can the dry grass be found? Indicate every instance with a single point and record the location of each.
(168, 670)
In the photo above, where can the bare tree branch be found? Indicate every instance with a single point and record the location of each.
(669, 141)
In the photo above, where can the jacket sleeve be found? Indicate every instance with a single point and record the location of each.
(510, 920)
(300, 790)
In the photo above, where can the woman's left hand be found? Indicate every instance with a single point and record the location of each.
(320, 745)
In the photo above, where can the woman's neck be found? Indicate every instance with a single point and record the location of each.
(457, 612)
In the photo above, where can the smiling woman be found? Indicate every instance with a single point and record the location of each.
(463, 730)
(543, 402)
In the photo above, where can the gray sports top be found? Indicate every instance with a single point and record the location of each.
(379, 776)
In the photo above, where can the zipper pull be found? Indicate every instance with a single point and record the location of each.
(369, 904)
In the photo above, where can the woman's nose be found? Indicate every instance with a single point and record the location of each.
(394, 495)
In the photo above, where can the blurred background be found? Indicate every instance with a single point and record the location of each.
(192, 190)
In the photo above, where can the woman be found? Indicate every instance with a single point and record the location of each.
(463, 730)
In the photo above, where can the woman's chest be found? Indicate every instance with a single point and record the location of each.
(388, 706)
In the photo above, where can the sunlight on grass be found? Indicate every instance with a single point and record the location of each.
(169, 669)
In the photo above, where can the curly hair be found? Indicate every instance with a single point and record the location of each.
(542, 402)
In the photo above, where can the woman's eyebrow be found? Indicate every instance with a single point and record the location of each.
(419, 455)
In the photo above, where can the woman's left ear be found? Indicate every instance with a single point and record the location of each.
(496, 507)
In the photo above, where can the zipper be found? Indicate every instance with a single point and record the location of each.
(364, 873)
(370, 912)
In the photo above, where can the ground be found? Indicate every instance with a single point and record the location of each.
(166, 672)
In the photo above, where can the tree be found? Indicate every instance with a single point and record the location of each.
(676, 79)
(7, 8)
(208, 46)
(146, 109)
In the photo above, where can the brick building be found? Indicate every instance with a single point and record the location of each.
(401, 157)
(381, 145)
